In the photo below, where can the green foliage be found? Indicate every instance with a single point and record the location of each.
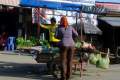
(44, 43)
(21, 42)
(34, 40)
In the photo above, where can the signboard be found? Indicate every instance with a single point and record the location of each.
(94, 9)
(38, 15)
(10, 2)
(110, 6)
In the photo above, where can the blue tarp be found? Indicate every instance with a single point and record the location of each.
(51, 5)
(67, 6)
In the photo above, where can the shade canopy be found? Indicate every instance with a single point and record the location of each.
(91, 29)
(113, 21)
(64, 5)
(59, 5)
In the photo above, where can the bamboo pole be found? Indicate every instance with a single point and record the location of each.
(81, 26)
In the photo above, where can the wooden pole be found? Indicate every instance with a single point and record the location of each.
(38, 25)
(76, 21)
(81, 26)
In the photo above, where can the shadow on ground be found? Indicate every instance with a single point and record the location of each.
(20, 70)
(115, 60)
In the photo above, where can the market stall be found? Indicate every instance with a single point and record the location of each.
(57, 5)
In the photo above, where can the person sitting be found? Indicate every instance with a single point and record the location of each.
(3, 39)
(52, 28)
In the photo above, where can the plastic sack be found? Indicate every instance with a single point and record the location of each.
(103, 63)
(94, 58)
(78, 44)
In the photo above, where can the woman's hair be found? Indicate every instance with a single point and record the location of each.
(64, 21)
(53, 19)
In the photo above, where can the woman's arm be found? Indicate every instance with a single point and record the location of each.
(46, 26)
(74, 32)
(58, 33)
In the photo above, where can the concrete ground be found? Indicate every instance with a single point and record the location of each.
(24, 67)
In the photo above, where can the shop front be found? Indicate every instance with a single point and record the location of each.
(14, 20)
(111, 30)
(8, 20)
(9, 17)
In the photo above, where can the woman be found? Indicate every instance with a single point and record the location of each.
(65, 34)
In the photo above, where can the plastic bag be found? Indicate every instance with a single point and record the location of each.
(94, 58)
(78, 44)
(103, 63)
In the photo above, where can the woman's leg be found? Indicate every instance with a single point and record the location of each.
(69, 62)
(63, 62)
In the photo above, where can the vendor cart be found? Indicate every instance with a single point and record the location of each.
(43, 54)
(47, 55)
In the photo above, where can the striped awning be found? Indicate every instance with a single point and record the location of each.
(10, 2)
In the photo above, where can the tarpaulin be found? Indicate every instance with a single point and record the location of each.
(59, 5)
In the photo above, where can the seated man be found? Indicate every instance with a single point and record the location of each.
(51, 27)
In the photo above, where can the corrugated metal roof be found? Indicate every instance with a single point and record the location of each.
(91, 29)
(10, 2)
(113, 21)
